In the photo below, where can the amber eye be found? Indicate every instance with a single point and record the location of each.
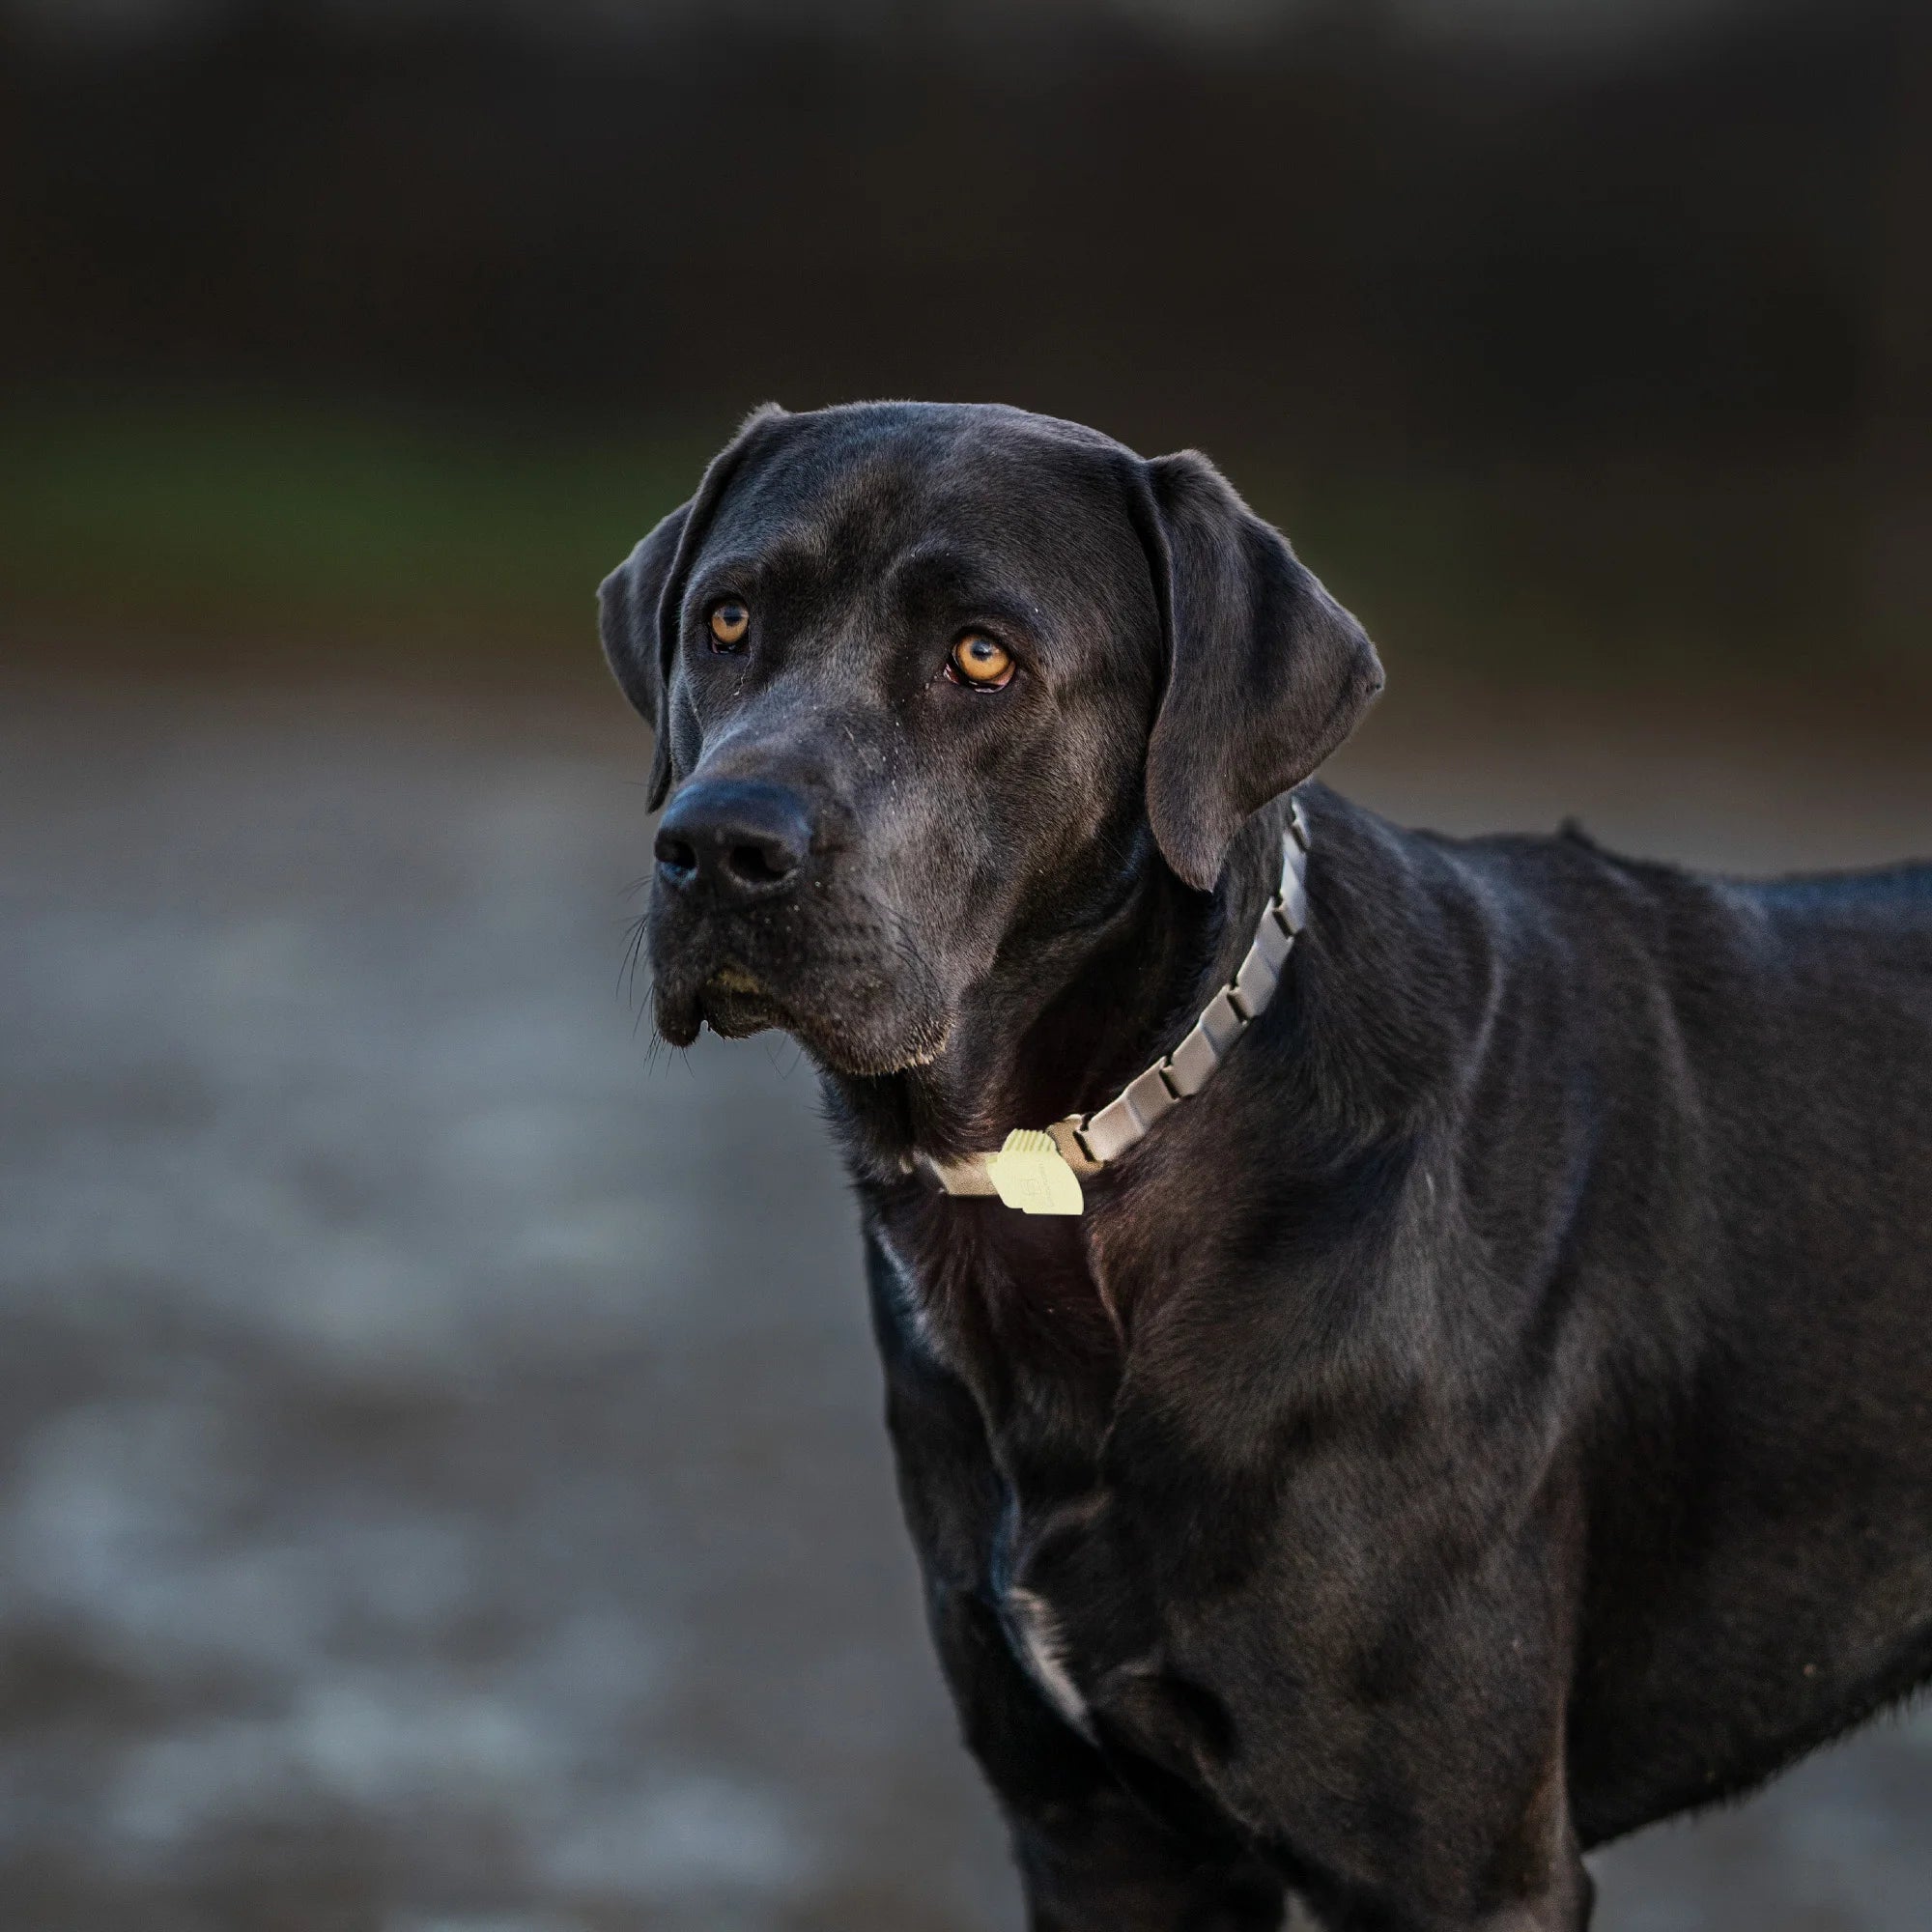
(729, 621)
(977, 660)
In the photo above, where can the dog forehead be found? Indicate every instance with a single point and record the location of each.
(858, 487)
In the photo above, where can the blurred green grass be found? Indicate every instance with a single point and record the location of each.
(223, 522)
(188, 525)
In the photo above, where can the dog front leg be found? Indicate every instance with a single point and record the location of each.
(1092, 1858)
(1455, 1852)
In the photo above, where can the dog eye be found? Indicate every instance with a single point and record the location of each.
(977, 660)
(729, 621)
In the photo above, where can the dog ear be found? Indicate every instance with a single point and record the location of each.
(626, 620)
(1267, 674)
(638, 605)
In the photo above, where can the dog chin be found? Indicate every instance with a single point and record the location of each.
(865, 1060)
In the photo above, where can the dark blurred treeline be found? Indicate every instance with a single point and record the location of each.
(1329, 243)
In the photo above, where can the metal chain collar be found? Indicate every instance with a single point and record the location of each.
(1038, 1170)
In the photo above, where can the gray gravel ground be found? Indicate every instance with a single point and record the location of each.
(443, 1488)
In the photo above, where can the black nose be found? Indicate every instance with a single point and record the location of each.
(740, 838)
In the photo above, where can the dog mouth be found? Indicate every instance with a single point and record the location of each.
(855, 1023)
(735, 1004)
(731, 1000)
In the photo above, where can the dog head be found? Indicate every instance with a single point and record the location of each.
(929, 683)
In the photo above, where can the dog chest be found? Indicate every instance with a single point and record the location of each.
(1100, 1662)
(1037, 1640)
(1066, 1603)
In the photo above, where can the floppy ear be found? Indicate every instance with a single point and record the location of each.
(638, 605)
(1265, 672)
(626, 620)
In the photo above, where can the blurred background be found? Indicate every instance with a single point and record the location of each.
(441, 1481)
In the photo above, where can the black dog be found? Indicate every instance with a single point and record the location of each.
(1493, 1409)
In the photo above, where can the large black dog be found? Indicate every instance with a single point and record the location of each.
(1460, 1387)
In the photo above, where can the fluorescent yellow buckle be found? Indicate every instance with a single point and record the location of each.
(1032, 1176)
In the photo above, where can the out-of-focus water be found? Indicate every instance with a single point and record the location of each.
(441, 1486)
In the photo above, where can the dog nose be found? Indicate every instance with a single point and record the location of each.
(740, 838)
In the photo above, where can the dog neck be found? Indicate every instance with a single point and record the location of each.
(1085, 1015)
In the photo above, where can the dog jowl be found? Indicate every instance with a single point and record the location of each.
(1462, 1387)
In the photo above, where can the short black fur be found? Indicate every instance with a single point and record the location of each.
(1497, 1411)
